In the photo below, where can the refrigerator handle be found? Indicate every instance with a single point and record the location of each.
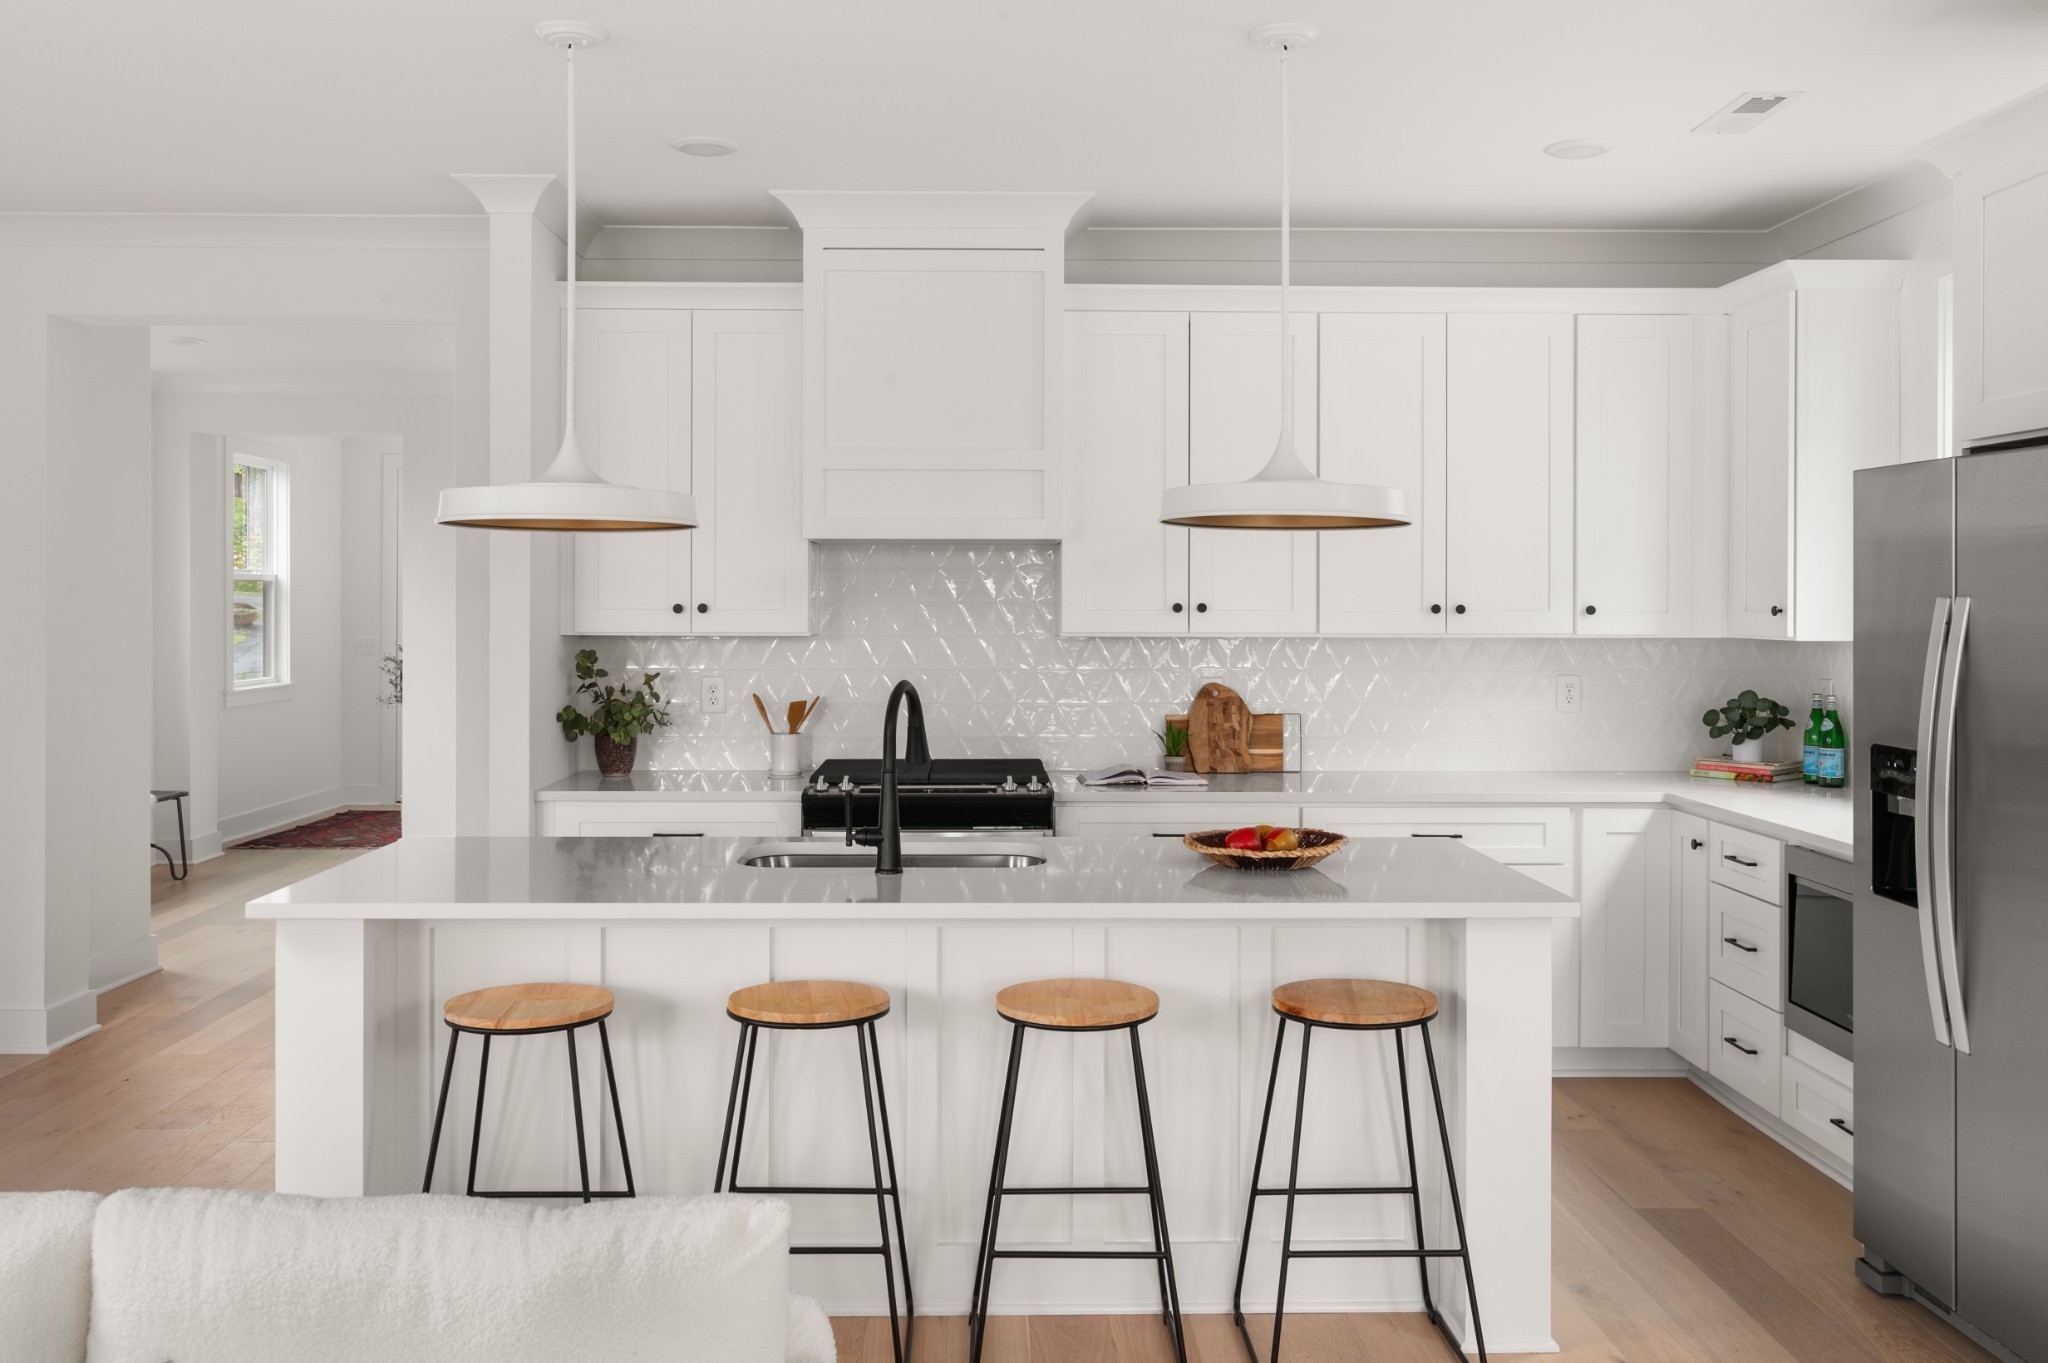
(1943, 817)
(1923, 822)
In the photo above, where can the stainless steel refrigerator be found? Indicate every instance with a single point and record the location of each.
(1950, 749)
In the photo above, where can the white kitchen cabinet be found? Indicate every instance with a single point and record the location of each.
(668, 819)
(1690, 886)
(1624, 927)
(1160, 819)
(1381, 384)
(1634, 475)
(1121, 571)
(1818, 1107)
(1748, 1043)
(708, 402)
(633, 423)
(1509, 481)
(1746, 945)
(2001, 294)
(1753, 863)
(1248, 582)
(750, 566)
(1813, 378)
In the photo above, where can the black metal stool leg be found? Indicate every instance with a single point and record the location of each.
(576, 1106)
(1443, 1129)
(1414, 1172)
(611, 1082)
(1169, 1294)
(440, 1111)
(895, 1196)
(1308, 1033)
(732, 1105)
(184, 843)
(867, 1092)
(984, 1273)
(476, 1135)
(1251, 1199)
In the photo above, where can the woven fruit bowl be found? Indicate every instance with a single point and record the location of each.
(1315, 845)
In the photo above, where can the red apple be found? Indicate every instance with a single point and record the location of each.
(1243, 840)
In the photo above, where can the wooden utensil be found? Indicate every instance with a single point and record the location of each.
(795, 716)
(810, 709)
(764, 712)
(1219, 730)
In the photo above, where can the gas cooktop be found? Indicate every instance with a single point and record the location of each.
(954, 794)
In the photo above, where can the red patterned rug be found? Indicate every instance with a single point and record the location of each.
(350, 828)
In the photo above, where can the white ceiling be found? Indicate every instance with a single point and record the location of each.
(1410, 113)
(328, 359)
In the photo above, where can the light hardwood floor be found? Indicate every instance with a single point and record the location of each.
(1681, 1234)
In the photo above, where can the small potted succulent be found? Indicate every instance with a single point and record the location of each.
(1744, 721)
(618, 714)
(1173, 744)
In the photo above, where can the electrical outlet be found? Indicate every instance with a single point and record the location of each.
(713, 695)
(366, 645)
(1568, 694)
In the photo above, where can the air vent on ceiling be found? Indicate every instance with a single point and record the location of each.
(1745, 111)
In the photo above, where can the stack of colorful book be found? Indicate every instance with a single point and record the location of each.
(1728, 769)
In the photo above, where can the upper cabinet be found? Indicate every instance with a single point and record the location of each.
(1248, 581)
(2001, 280)
(1813, 377)
(1509, 489)
(1121, 571)
(705, 401)
(1381, 385)
(933, 394)
(1634, 479)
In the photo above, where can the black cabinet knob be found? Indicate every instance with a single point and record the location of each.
(703, 609)
(1177, 608)
(677, 608)
(1201, 608)
(1436, 610)
(1459, 609)
(1777, 610)
(1697, 844)
(1592, 610)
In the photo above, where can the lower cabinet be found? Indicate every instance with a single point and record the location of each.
(1748, 1046)
(1691, 884)
(1161, 821)
(1624, 927)
(667, 819)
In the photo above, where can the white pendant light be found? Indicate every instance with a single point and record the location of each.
(568, 494)
(1284, 495)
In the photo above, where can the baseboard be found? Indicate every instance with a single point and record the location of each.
(207, 846)
(1615, 1062)
(38, 1031)
(116, 966)
(1772, 1127)
(255, 823)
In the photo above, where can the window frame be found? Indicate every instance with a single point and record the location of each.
(277, 605)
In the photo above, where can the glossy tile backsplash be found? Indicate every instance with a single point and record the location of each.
(976, 627)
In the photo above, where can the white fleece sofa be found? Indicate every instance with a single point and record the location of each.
(204, 1276)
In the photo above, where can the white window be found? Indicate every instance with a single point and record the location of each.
(259, 572)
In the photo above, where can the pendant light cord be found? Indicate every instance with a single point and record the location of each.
(569, 347)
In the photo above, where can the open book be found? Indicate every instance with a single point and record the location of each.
(1138, 776)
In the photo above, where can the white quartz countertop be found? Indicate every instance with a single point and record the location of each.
(1823, 820)
(1082, 878)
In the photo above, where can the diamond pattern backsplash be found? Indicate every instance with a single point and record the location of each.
(976, 627)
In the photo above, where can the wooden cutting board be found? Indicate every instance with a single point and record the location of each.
(1269, 740)
(1219, 730)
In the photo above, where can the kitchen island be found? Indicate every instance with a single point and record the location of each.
(367, 951)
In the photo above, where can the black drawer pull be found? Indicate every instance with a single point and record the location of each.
(1740, 945)
(678, 835)
(1847, 1130)
(1730, 856)
(1738, 1045)
(1436, 835)
(1169, 835)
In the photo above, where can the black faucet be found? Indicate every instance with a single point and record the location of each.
(887, 837)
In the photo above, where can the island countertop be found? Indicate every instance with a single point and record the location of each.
(1119, 878)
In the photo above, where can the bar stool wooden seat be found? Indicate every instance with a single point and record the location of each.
(816, 1006)
(530, 1010)
(1074, 1006)
(1354, 1006)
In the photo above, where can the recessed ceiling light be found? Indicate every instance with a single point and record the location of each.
(184, 340)
(705, 146)
(1578, 148)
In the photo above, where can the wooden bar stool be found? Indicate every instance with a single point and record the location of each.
(1075, 1006)
(530, 1010)
(816, 1006)
(1354, 1006)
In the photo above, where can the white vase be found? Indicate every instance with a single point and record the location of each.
(1747, 750)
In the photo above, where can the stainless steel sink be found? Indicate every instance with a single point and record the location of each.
(790, 856)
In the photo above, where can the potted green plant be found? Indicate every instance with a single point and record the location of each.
(1173, 742)
(618, 714)
(1744, 720)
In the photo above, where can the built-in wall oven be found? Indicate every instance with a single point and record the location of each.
(1820, 950)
